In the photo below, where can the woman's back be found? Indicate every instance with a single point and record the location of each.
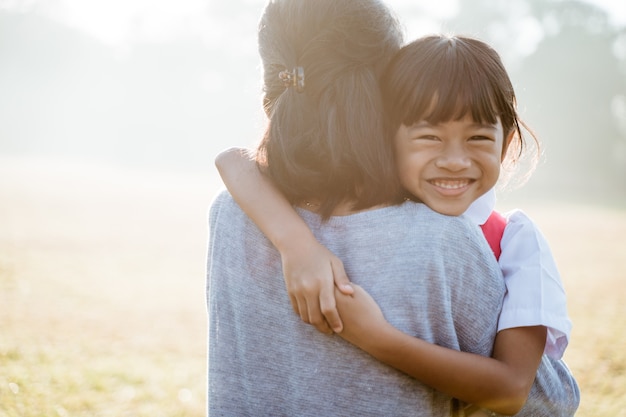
(264, 361)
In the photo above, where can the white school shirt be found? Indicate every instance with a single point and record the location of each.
(535, 295)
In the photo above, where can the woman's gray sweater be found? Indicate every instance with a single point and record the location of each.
(433, 276)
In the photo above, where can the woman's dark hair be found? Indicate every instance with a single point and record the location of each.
(441, 78)
(325, 141)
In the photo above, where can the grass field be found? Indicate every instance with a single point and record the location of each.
(102, 293)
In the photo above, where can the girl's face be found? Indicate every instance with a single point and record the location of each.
(449, 165)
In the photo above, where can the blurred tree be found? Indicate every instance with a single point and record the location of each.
(577, 76)
(568, 86)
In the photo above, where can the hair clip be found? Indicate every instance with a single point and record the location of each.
(293, 78)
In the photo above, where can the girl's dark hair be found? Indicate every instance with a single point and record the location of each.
(441, 78)
(326, 142)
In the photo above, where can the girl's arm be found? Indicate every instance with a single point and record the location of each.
(500, 383)
(310, 270)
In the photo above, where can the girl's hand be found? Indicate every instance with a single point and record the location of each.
(309, 268)
(362, 318)
(311, 274)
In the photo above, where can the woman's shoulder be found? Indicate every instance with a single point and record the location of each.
(224, 205)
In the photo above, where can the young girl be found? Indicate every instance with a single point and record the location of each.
(451, 108)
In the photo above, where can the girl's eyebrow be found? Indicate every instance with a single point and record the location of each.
(484, 126)
(420, 124)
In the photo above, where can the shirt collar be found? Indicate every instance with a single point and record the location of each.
(480, 210)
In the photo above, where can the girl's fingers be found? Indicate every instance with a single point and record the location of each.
(316, 319)
(341, 278)
(328, 307)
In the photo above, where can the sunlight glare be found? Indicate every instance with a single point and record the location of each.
(116, 22)
(122, 22)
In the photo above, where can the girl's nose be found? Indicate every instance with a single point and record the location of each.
(453, 159)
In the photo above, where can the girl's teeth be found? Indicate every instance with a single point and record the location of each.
(451, 185)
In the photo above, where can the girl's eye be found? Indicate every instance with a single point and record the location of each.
(426, 137)
(481, 138)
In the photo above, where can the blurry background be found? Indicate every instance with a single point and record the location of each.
(166, 84)
(111, 113)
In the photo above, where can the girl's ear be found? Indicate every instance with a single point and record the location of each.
(507, 141)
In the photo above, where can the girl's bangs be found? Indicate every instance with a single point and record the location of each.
(446, 91)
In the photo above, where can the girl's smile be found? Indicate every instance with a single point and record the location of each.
(451, 186)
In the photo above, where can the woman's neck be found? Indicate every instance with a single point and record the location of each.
(342, 209)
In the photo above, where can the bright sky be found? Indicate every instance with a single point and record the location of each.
(119, 22)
